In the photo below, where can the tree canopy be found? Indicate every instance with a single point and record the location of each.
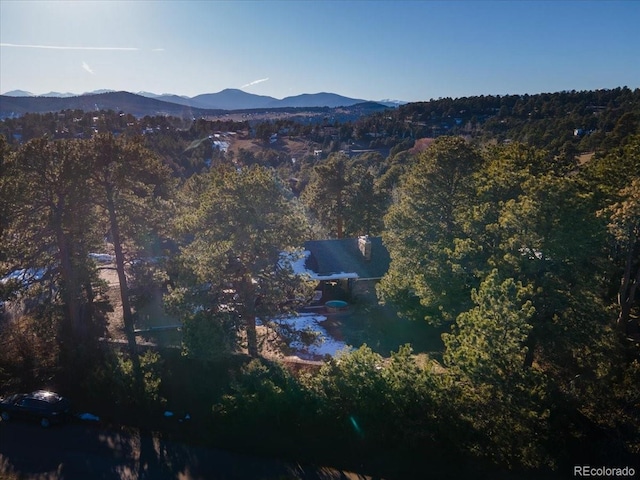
(519, 245)
(232, 260)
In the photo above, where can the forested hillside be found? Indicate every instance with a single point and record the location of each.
(513, 225)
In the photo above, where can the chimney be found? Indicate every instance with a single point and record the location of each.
(364, 245)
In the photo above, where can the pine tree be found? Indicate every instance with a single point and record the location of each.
(128, 183)
(50, 219)
(424, 227)
(232, 264)
(326, 195)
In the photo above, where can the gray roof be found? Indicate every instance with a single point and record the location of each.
(329, 257)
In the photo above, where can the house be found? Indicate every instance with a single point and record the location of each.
(347, 268)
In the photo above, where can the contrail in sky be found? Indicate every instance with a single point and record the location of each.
(255, 82)
(87, 68)
(60, 47)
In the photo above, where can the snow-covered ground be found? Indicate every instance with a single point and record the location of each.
(323, 343)
(102, 257)
(24, 276)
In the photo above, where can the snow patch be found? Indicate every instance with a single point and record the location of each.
(102, 257)
(323, 344)
(24, 276)
(298, 265)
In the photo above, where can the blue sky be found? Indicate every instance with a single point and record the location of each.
(377, 49)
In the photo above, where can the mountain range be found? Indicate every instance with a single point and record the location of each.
(228, 99)
(137, 105)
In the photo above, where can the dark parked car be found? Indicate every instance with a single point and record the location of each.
(41, 405)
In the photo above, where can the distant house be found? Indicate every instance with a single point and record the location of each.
(348, 268)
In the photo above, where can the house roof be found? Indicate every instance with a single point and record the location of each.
(342, 258)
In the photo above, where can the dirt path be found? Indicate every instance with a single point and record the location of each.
(115, 325)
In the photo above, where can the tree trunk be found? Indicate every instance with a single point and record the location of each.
(249, 310)
(530, 343)
(627, 293)
(69, 282)
(252, 336)
(626, 301)
(127, 315)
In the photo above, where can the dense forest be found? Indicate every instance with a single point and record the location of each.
(513, 225)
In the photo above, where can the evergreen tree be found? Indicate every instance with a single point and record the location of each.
(232, 265)
(488, 342)
(422, 229)
(50, 221)
(366, 207)
(625, 227)
(326, 195)
(128, 182)
(503, 402)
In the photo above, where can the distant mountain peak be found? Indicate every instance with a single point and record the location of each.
(18, 93)
(388, 102)
(321, 99)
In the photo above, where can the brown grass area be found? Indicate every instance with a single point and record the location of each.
(585, 158)
(421, 145)
(292, 146)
